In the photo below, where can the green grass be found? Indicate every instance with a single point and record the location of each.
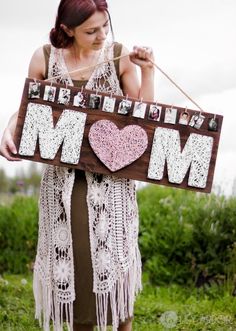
(196, 310)
(209, 309)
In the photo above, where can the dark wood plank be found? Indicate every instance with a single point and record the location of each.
(137, 170)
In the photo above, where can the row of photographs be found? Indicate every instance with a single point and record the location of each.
(125, 106)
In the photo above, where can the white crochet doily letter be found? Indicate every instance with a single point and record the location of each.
(117, 148)
(196, 155)
(69, 130)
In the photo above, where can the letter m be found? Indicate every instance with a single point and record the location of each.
(195, 155)
(39, 125)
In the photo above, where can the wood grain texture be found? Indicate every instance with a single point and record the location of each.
(137, 170)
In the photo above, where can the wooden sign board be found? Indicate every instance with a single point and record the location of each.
(114, 135)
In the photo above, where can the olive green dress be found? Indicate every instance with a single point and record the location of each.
(85, 302)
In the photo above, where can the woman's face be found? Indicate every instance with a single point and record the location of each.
(93, 32)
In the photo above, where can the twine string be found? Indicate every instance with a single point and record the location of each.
(88, 67)
(122, 56)
(176, 85)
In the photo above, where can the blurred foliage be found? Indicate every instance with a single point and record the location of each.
(24, 181)
(18, 234)
(187, 237)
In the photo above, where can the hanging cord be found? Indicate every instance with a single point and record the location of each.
(176, 85)
(122, 56)
(88, 67)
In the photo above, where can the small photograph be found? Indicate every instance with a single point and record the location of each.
(79, 100)
(139, 109)
(64, 96)
(154, 113)
(196, 121)
(95, 101)
(49, 93)
(170, 115)
(213, 124)
(109, 104)
(124, 107)
(34, 90)
(184, 118)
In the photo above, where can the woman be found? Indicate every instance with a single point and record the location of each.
(88, 267)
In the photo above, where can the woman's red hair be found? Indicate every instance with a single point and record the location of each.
(73, 13)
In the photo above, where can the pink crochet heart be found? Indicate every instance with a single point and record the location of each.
(117, 148)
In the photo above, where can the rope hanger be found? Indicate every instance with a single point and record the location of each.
(122, 56)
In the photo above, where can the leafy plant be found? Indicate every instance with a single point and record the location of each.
(186, 237)
(18, 234)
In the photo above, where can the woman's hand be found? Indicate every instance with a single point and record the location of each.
(142, 56)
(7, 145)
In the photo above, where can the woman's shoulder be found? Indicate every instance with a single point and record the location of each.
(47, 49)
(37, 64)
(41, 51)
(121, 51)
(119, 48)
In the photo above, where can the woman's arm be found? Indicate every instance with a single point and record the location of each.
(129, 78)
(36, 70)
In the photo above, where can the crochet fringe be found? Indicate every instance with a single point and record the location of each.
(47, 308)
(122, 297)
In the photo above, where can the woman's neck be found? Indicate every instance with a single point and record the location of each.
(77, 58)
(84, 54)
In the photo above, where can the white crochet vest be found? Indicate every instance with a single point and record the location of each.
(113, 228)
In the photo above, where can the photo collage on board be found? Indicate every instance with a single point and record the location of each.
(109, 103)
